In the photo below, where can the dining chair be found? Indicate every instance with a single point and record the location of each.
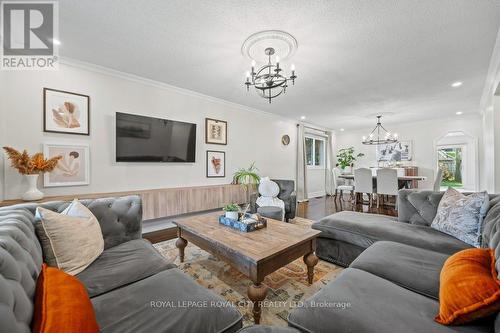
(438, 180)
(340, 186)
(363, 183)
(387, 184)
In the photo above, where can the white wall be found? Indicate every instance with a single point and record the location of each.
(252, 136)
(424, 135)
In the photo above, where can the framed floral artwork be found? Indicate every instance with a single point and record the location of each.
(74, 167)
(65, 112)
(215, 131)
(216, 164)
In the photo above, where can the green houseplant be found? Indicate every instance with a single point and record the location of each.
(346, 157)
(247, 176)
(231, 210)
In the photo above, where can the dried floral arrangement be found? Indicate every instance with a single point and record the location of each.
(29, 165)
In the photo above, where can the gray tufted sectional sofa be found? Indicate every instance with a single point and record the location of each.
(392, 280)
(132, 287)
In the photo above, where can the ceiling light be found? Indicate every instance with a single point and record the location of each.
(456, 84)
(378, 131)
(302, 117)
(458, 113)
(56, 41)
(342, 129)
(268, 79)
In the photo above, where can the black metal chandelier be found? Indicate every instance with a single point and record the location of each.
(380, 135)
(268, 80)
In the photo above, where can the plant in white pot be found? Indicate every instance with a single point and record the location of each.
(31, 167)
(232, 211)
(346, 157)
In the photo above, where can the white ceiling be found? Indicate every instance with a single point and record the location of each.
(354, 59)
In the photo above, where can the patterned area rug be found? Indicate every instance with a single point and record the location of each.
(287, 287)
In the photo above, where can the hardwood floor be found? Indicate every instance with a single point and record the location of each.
(317, 208)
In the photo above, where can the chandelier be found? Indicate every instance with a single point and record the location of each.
(380, 135)
(268, 80)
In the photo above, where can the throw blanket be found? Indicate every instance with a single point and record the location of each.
(268, 196)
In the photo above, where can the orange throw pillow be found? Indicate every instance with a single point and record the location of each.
(62, 304)
(469, 288)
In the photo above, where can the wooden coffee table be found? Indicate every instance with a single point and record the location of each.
(255, 254)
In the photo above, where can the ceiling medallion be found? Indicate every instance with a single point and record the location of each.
(268, 80)
(383, 136)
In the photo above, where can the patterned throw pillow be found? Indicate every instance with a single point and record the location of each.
(461, 216)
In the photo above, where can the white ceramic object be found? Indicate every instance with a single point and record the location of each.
(232, 215)
(33, 192)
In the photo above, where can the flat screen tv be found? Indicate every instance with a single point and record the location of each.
(147, 139)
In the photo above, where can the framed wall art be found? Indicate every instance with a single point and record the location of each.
(74, 167)
(66, 112)
(216, 164)
(215, 131)
(395, 152)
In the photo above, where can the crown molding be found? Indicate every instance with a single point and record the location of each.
(161, 85)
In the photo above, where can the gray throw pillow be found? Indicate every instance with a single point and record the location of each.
(461, 216)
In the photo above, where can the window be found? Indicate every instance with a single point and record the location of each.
(315, 152)
(450, 162)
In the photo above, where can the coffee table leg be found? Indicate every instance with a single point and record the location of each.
(310, 260)
(257, 293)
(181, 244)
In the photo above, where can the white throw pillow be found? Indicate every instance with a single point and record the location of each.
(461, 216)
(71, 240)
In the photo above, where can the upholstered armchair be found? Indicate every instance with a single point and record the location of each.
(287, 194)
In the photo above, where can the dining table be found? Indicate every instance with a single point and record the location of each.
(403, 181)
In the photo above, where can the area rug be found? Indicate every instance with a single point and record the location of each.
(287, 287)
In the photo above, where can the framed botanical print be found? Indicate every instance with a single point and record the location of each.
(216, 164)
(215, 131)
(65, 112)
(74, 167)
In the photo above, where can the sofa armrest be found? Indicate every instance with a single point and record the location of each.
(293, 206)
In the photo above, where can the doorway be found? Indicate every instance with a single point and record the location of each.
(456, 155)
(450, 162)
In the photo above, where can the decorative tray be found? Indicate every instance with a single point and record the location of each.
(247, 225)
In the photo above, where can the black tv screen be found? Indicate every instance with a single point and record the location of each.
(147, 139)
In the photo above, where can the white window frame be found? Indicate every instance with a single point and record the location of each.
(323, 153)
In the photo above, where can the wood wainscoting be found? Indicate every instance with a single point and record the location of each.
(158, 203)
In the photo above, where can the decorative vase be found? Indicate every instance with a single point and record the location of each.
(33, 193)
(232, 215)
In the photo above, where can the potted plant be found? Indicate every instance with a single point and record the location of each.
(232, 211)
(246, 177)
(346, 157)
(31, 167)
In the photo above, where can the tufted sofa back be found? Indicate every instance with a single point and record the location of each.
(420, 207)
(21, 253)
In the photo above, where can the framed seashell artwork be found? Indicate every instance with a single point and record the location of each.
(216, 164)
(65, 112)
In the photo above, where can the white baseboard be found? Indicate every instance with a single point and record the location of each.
(316, 194)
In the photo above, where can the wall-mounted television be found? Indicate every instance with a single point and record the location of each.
(148, 139)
